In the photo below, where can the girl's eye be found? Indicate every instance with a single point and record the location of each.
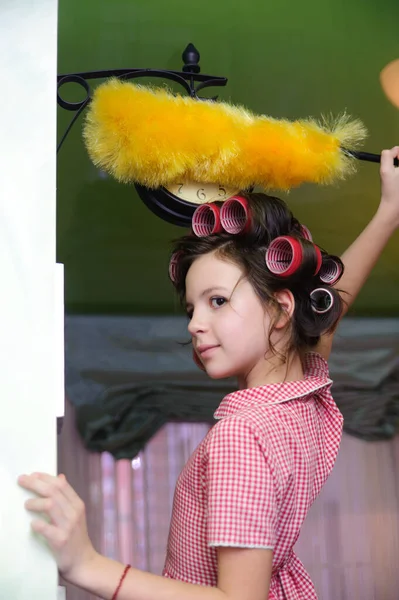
(189, 314)
(218, 301)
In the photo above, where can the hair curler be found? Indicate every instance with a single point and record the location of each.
(321, 300)
(330, 271)
(206, 220)
(235, 215)
(284, 256)
(305, 233)
(174, 260)
(319, 259)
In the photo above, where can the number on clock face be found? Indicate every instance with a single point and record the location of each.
(199, 193)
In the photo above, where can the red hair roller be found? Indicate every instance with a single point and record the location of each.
(235, 216)
(319, 259)
(206, 220)
(284, 256)
(330, 271)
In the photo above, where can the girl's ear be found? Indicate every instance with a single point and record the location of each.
(286, 301)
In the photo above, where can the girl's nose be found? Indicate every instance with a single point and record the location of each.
(197, 324)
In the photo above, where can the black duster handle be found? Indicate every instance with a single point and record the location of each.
(367, 156)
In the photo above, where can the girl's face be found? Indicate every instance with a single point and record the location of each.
(229, 325)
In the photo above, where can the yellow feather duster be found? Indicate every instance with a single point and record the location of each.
(154, 138)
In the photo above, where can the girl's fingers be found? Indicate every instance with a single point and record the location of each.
(40, 504)
(387, 158)
(43, 484)
(61, 484)
(60, 515)
(55, 536)
(52, 499)
(35, 484)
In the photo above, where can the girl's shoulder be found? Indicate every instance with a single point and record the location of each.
(316, 378)
(315, 365)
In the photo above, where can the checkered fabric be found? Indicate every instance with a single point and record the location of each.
(251, 481)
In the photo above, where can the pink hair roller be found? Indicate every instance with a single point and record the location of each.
(330, 271)
(305, 233)
(284, 256)
(235, 215)
(322, 300)
(174, 260)
(206, 220)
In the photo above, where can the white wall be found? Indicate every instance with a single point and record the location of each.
(30, 355)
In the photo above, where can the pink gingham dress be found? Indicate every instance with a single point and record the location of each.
(251, 481)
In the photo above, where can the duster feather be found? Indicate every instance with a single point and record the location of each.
(150, 136)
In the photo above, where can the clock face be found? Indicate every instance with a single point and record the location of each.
(199, 193)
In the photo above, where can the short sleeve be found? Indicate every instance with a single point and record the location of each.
(239, 487)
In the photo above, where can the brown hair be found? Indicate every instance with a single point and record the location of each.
(271, 218)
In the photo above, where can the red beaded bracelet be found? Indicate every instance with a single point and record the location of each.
(121, 581)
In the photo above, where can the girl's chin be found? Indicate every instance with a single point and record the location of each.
(219, 373)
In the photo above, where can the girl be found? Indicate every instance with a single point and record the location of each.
(243, 495)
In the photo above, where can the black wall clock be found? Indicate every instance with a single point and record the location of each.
(177, 203)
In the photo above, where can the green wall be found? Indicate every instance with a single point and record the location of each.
(286, 59)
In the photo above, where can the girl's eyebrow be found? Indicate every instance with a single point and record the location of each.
(209, 291)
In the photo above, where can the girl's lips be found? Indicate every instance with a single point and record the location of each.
(206, 349)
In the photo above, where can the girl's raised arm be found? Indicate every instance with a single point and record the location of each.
(361, 256)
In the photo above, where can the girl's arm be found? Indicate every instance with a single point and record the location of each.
(360, 258)
(243, 573)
